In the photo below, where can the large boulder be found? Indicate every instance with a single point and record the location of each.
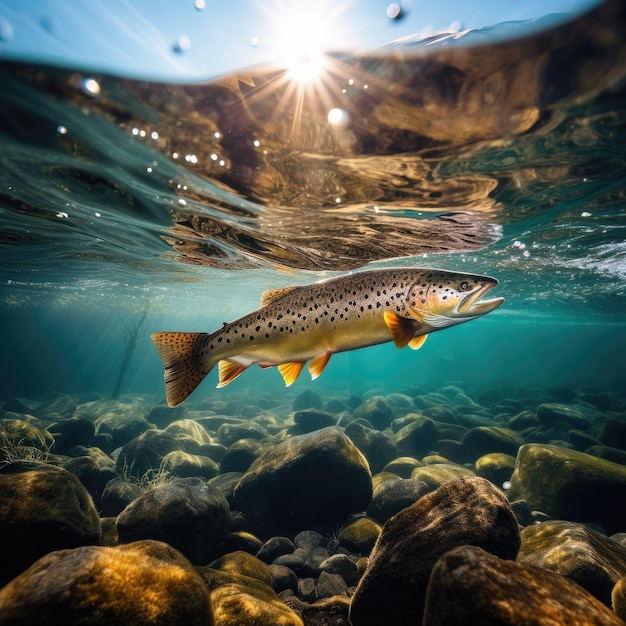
(572, 485)
(470, 586)
(464, 510)
(308, 481)
(586, 556)
(42, 508)
(143, 583)
(187, 513)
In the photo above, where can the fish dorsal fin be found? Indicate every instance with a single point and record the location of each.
(290, 371)
(317, 365)
(417, 342)
(402, 329)
(273, 294)
(228, 371)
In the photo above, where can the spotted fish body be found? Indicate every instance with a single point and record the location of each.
(311, 322)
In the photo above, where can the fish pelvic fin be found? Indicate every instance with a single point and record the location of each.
(417, 342)
(290, 371)
(317, 365)
(184, 366)
(402, 329)
(228, 371)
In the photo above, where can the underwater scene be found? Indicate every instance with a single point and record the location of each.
(312, 313)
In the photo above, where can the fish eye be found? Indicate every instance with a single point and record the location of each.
(464, 285)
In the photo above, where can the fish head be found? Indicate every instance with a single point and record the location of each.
(441, 298)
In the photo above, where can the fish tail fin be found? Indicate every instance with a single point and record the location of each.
(184, 366)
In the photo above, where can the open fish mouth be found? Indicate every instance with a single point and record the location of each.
(473, 306)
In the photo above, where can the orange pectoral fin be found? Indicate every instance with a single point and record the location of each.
(417, 342)
(401, 328)
(290, 371)
(228, 371)
(317, 365)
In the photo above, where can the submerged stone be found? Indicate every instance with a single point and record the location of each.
(464, 510)
(584, 555)
(146, 583)
(312, 480)
(42, 508)
(187, 513)
(470, 586)
(572, 485)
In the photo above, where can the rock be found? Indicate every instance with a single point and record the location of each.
(307, 590)
(188, 428)
(228, 434)
(496, 467)
(94, 471)
(552, 414)
(42, 508)
(470, 586)
(572, 485)
(241, 593)
(610, 454)
(360, 535)
(145, 453)
(292, 561)
(343, 565)
(308, 539)
(325, 612)
(162, 415)
(582, 440)
(613, 433)
(313, 558)
(487, 439)
(240, 540)
(375, 411)
(376, 446)
(226, 483)
(308, 420)
(584, 555)
(186, 513)
(184, 465)
(283, 578)
(522, 421)
(403, 466)
(72, 432)
(390, 497)
(240, 455)
(117, 495)
(315, 480)
(417, 437)
(275, 547)
(433, 476)
(101, 586)
(63, 406)
(308, 400)
(18, 433)
(464, 510)
(329, 585)
(618, 598)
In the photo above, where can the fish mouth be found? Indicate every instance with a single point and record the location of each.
(473, 306)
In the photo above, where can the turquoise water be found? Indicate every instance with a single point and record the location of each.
(121, 197)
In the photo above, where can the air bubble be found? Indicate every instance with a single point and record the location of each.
(182, 44)
(6, 30)
(62, 130)
(90, 87)
(200, 4)
(338, 118)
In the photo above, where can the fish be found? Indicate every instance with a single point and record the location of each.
(309, 323)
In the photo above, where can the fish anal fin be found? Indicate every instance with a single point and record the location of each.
(228, 371)
(402, 329)
(273, 294)
(317, 365)
(417, 342)
(290, 371)
(184, 370)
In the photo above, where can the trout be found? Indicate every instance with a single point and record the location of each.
(297, 324)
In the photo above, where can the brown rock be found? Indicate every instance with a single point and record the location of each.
(584, 555)
(471, 586)
(464, 510)
(142, 583)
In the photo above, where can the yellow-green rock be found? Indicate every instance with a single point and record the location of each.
(360, 535)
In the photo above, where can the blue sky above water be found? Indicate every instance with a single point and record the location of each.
(200, 39)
